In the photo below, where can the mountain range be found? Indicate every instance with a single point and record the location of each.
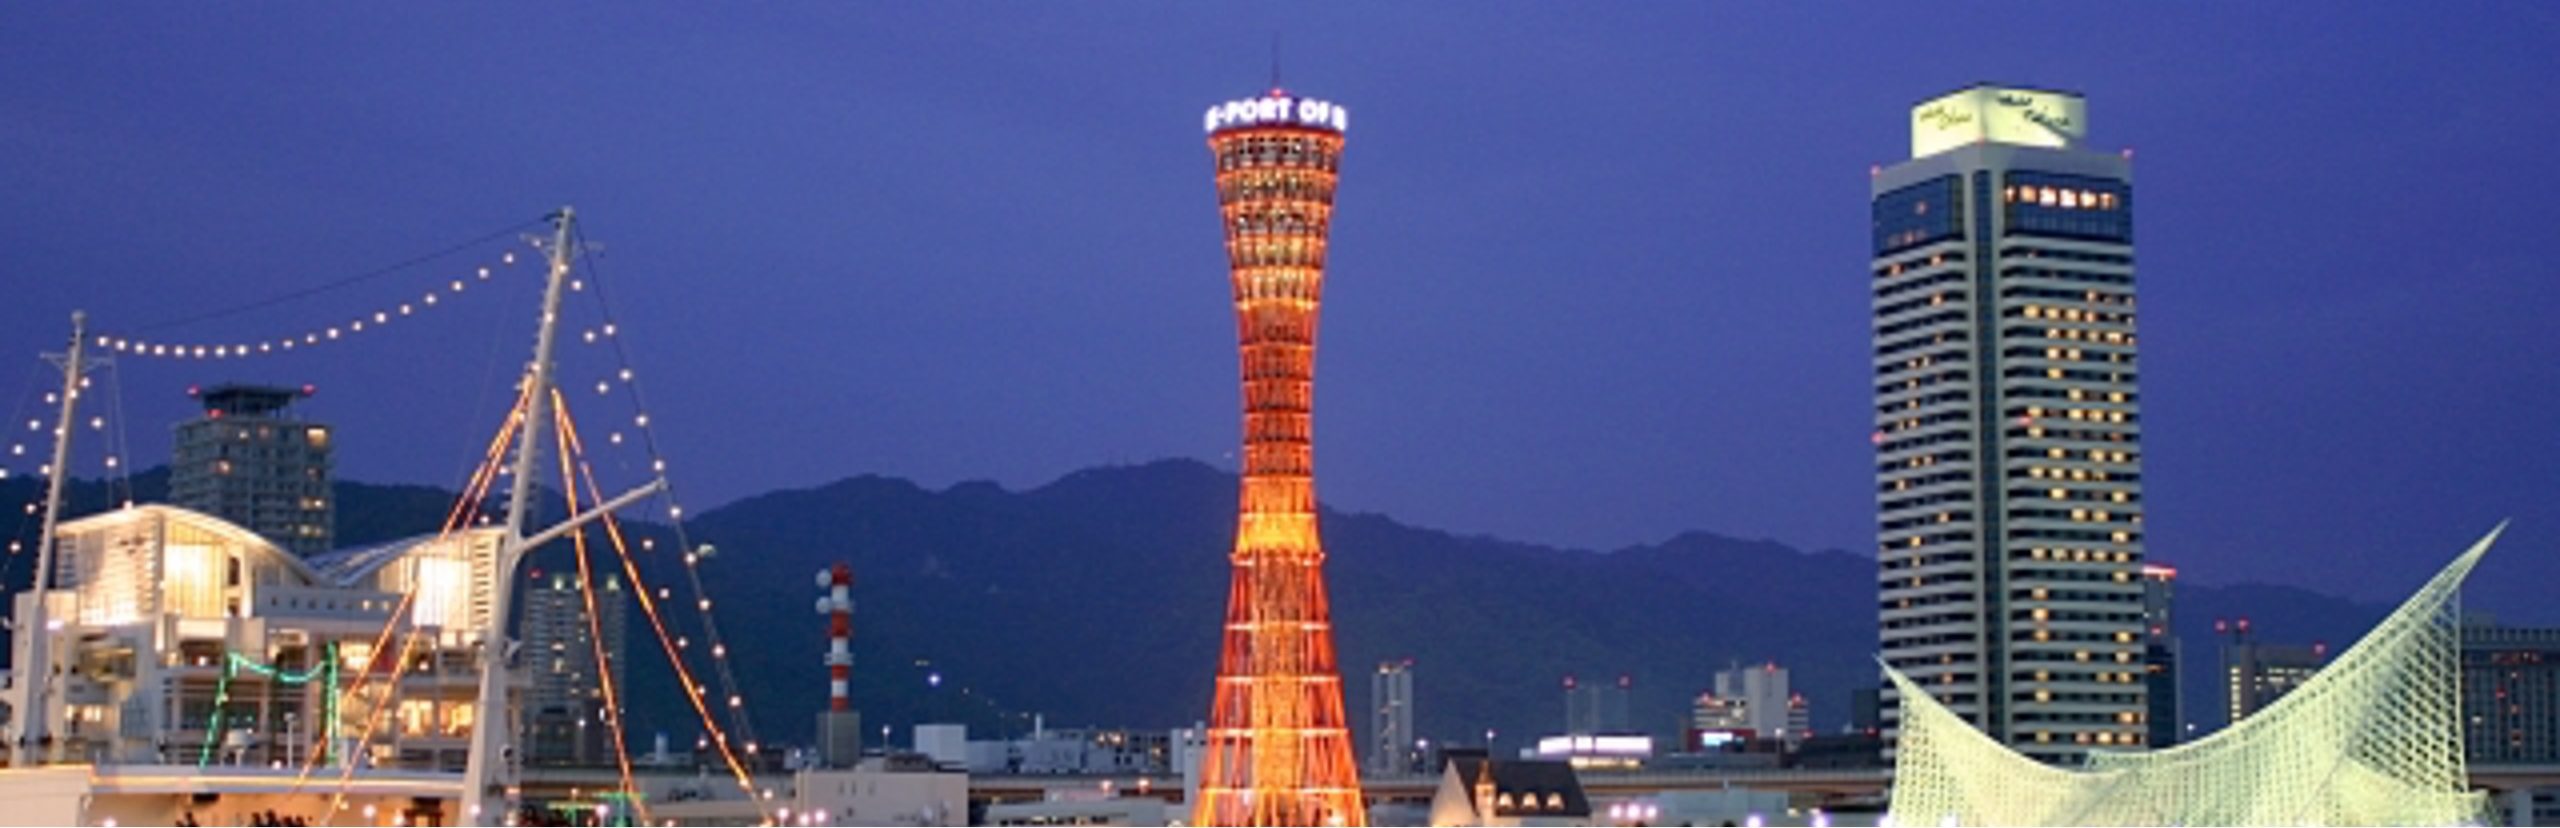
(1096, 600)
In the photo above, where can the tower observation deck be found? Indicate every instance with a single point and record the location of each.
(1279, 749)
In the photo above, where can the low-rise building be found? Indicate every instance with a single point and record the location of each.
(1476, 790)
(180, 638)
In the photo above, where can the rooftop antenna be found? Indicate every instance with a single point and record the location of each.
(1275, 61)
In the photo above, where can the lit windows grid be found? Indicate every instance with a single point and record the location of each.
(2071, 478)
(2073, 599)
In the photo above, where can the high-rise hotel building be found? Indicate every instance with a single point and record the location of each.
(2008, 422)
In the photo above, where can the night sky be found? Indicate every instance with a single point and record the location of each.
(1598, 273)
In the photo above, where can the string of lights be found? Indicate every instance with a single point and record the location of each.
(307, 336)
(673, 646)
(607, 335)
(378, 687)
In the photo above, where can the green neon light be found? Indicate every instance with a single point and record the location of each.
(233, 662)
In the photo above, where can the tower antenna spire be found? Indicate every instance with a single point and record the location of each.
(1275, 61)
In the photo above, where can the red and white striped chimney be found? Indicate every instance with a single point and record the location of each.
(837, 606)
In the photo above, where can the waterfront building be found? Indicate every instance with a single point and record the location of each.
(2375, 738)
(2007, 415)
(1279, 743)
(880, 790)
(183, 639)
(1072, 750)
(250, 461)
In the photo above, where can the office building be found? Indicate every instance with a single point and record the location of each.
(249, 461)
(2256, 675)
(2008, 425)
(1750, 704)
(2510, 694)
(1596, 707)
(1392, 750)
(2161, 654)
(564, 712)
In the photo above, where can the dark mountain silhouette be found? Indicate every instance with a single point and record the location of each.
(1096, 600)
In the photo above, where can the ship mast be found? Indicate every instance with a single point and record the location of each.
(485, 772)
(36, 672)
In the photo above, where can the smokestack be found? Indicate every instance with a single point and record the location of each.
(839, 726)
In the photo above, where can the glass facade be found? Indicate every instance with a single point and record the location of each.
(2067, 206)
(1919, 214)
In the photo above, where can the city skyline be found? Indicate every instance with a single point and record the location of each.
(1646, 388)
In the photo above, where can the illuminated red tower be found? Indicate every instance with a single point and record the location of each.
(1279, 751)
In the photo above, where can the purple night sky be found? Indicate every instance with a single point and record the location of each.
(1598, 273)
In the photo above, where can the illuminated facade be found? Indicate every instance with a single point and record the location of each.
(2376, 738)
(2008, 423)
(1279, 749)
(187, 640)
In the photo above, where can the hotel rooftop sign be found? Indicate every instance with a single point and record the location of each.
(1999, 115)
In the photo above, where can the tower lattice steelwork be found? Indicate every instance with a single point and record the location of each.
(1279, 750)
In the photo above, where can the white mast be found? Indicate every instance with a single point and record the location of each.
(36, 673)
(485, 798)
